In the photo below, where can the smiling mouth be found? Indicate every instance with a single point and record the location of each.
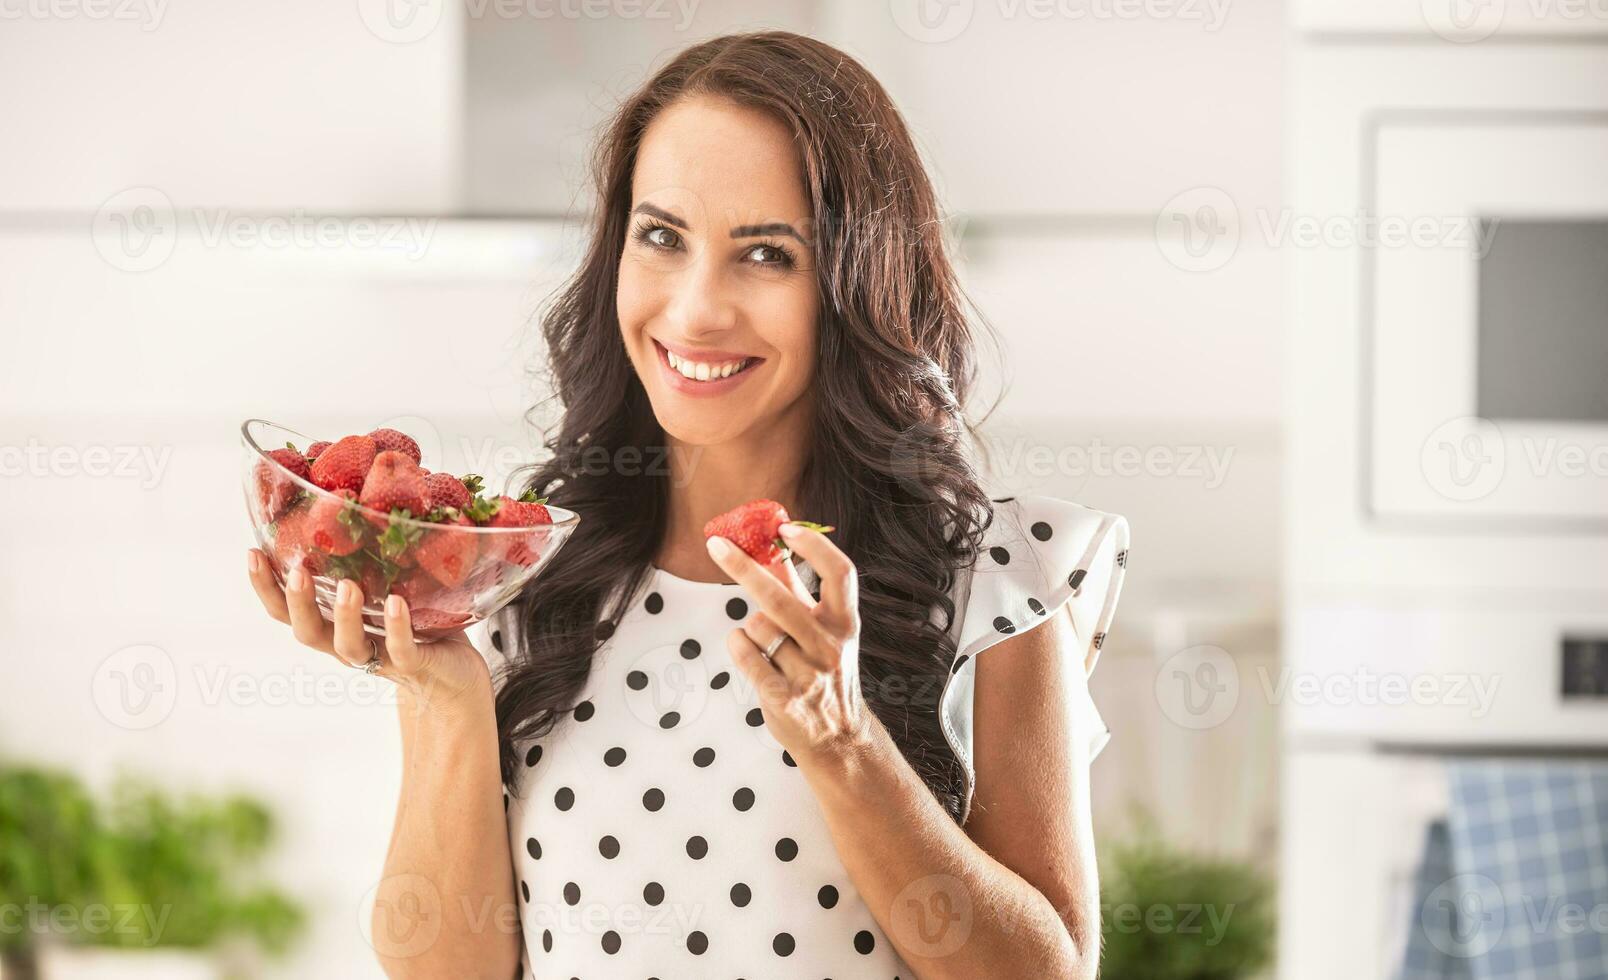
(706, 370)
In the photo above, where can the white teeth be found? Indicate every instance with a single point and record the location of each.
(704, 371)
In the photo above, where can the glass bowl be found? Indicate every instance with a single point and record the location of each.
(451, 575)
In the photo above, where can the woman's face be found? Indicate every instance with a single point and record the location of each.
(717, 295)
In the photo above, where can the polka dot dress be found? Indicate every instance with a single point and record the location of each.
(660, 831)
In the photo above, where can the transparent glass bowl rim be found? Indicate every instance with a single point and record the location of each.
(566, 523)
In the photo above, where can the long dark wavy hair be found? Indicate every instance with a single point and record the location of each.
(888, 467)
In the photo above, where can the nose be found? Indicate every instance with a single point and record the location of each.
(703, 302)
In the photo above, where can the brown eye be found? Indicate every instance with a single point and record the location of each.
(768, 255)
(661, 237)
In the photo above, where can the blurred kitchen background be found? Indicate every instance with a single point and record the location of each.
(1312, 291)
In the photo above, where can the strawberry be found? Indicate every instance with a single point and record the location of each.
(445, 490)
(344, 465)
(754, 528)
(291, 547)
(275, 491)
(394, 441)
(447, 554)
(331, 524)
(520, 549)
(394, 483)
(316, 450)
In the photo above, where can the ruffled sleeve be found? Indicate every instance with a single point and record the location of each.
(1040, 554)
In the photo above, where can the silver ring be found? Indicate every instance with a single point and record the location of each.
(373, 665)
(774, 645)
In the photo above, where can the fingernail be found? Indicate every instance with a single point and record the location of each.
(790, 530)
(343, 592)
(298, 579)
(251, 562)
(718, 547)
(393, 606)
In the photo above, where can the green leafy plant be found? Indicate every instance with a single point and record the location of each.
(140, 870)
(1167, 914)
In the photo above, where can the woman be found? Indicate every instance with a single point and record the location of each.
(715, 768)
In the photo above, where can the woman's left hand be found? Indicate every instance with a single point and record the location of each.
(809, 691)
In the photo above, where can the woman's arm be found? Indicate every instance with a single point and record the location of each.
(1020, 895)
(1021, 899)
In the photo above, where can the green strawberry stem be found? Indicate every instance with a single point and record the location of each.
(823, 528)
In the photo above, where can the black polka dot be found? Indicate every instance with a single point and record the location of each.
(1000, 555)
(960, 662)
(1041, 530)
(1035, 605)
(740, 895)
(864, 942)
(547, 940)
(585, 710)
(609, 847)
(783, 944)
(827, 896)
(604, 631)
(636, 680)
(1003, 625)
(534, 847)
(670, 719)
(611, 942)
(743, 799)
(736, 608)
(1076, 578)
(524, 890)
(787, 759)
(787, 848)
(654, 603)
(534, 755)
(703, 757)
(756, 717)
(719, 680)
(572, 893)
(564, 798)
(653, 800)
(690, 649)
(697, 847)
(614, 757)
(653, 893)
(697, 943)
(496, 640)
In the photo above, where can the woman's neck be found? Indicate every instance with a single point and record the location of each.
(710, 480)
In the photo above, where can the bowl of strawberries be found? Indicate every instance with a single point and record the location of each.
(363, 507)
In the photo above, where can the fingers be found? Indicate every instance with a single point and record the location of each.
(766, 677)
(840, 584)
(791, 659)
(352, 642)
(266, 587)
(306, 622)
(406, 654)
(774, 598)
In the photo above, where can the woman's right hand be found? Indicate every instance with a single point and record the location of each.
(446, 675)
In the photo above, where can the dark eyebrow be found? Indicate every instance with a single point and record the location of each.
(661, 214)
(762, 231)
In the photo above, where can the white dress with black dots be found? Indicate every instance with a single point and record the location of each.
(662, 832)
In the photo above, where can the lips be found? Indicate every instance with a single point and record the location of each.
(704, 372)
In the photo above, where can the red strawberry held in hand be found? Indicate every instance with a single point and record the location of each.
(345, 465)
(393, 482)
(394, 441)
(275, 491)
(754, 528)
